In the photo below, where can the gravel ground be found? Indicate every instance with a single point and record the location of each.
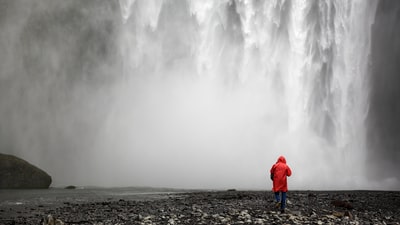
(222, 207)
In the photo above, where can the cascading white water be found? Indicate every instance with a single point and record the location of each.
(214, 91)
(186, 93)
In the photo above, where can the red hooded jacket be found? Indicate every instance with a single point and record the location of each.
(280, 171)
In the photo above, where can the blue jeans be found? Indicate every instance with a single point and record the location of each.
(281, 197)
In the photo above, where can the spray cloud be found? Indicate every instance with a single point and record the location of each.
(193, 94)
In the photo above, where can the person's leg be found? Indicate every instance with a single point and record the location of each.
(277, 200)
(277, 197)
(283, 201)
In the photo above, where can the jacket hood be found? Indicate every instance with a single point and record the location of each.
(281, 159)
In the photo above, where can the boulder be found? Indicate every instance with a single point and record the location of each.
(342, 204)
(70, 187)
(17, 173)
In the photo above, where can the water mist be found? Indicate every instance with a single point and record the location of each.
(195, 94)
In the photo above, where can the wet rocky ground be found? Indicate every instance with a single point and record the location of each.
(224, 207)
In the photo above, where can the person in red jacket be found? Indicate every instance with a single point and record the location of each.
(279, 173)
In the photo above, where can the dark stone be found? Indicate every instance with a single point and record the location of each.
(16, 173)
(348, 214)
(342, 204)
(70, 187)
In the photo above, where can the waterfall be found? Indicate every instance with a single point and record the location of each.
(202, 93)
(305, 61)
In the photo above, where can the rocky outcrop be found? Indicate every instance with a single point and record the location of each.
(18, 173)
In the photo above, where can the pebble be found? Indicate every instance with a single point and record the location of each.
(234, 207)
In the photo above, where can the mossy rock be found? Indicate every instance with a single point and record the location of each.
(16, 173)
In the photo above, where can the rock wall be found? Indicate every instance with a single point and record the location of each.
(383, 118)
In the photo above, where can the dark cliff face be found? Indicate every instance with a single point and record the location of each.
(384, 115)
(18, 173)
